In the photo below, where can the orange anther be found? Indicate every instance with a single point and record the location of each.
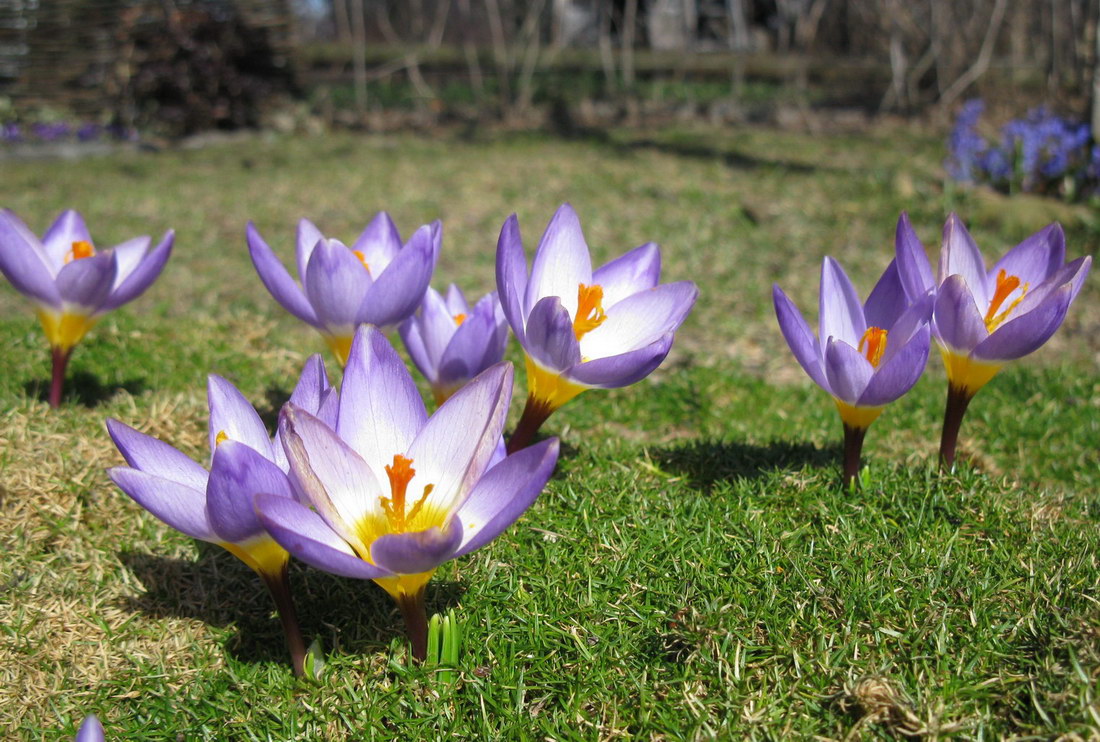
(81, 249)
(220, 438)
(400, 473)
(590, 314)
(872, 345)
(459, 319)
(362, 259)
(1006, 284)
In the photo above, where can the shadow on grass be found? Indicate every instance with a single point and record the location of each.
(350, 616)
(707, 463)
(84, 388)
(564, 125)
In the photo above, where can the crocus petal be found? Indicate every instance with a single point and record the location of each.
(841, 314)
(24, 262)
(304, 534)
(640, 319)
(236, 475)
(335, 479)
(68, 228)
(233, 415)
(381, 410)
(896, 376)
(456, 301)
(312, 384)
(623, 369)
(562, 262)
(379, 242)
(847, 370)
(887, 300)
(470, 351)
(909, 323)
(800, 339)
(143, 275)
(960, 256)
(409, 330)
(181, 507)
(455, 445)
(310, 393)
(958, 321)
(128, 255)
(628, 274)
(90, 731)
(505, 493)
(277, 280)
(418, 551)
(550, 338)
(1027, 332)
(306, 239)
(1035, 259)
(438, 324)
(156, 457)
(511, 269)
(86, 283)
(336, 284)
(398, 291)
(914, 270)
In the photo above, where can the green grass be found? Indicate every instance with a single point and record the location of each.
(693, 569)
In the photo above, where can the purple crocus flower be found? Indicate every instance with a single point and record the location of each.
(985, 318)
(579, 328)
(390, 493)
(864, 355)
(216, 505)
(90, 730)
(451, 343)
(71, 283)
(375, 281)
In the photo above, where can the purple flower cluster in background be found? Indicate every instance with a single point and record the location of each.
(62, 131)
(1041, 152)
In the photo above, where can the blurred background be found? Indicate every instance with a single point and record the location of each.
(88, 69)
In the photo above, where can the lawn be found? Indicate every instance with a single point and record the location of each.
(693, 570)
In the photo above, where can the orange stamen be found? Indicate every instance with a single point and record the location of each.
(400, 473)
(81, 249)
(362, 259)
(220, 438)
(459, 319)
(590, 314)
(872, 345)
(1006, 284)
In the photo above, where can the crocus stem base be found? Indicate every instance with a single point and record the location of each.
(416, 622)
(535, 413)
(853, 447)
(279, 585)
(60, 361)
(957, 401)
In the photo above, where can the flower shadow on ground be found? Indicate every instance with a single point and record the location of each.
(349, 617)
(85, 388)
(706, 463)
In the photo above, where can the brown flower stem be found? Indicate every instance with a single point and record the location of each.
(957, 401)
(279, 586)
(415, 614)
(853, 447)
(60, 359)
(535, 413)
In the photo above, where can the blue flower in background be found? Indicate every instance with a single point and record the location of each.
(1041, 152)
